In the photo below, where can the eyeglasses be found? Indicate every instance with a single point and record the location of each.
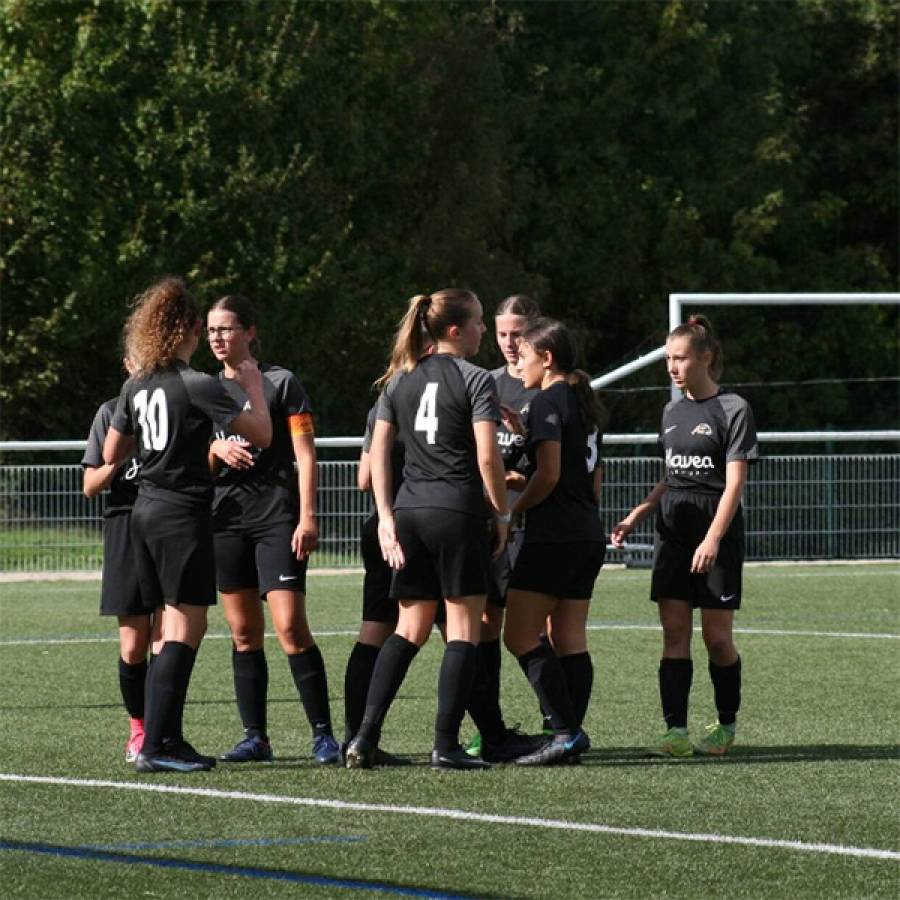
(223, 331)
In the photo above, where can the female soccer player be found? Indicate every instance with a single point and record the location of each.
(119, 591)
(446, 413)
(167, 410)
(264, 516)
(708, 438)
(564, 544)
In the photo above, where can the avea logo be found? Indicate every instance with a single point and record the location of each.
(222, 436)
(678, 461)
(508, 439)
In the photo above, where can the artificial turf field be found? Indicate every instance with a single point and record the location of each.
(806, 805)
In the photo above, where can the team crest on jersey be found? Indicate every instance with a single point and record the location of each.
(552, 419)
(702, 428)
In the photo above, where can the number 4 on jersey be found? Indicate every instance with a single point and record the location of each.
(426, 418)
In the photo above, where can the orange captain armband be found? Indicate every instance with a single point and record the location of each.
(301, 423)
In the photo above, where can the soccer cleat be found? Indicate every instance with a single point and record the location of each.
(177, 756)
(512, 745)
(673, 744)
(359, 754)
(561, 748)
(473, 748)
(456, 759)
(184, 750)
(383, 758)
(135, 740)
(250, 749)
(718, 741)
(326, 750)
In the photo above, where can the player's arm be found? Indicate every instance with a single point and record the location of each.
(548, 464)
(735, 478)
(117, 447)
(306, 534)
(254, 424)
(637, 515)
(383, 436)
(98, 478)
(364, 472)
(493, 475)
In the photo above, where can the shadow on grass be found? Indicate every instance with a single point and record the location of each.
(747, 753)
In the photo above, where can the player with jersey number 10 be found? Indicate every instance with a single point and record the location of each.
(165, 413)
(708, 440)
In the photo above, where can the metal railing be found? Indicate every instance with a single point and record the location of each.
(797, 507)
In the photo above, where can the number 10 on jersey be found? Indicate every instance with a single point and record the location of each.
(426, 418)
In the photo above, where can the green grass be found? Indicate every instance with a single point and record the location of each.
(816, 762)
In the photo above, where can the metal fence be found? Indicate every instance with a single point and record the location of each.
(797, 507)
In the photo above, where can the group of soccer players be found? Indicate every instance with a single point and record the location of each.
(486, 489)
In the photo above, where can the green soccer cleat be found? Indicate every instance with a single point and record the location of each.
(673, 744)
(473, 748)
(717, 742)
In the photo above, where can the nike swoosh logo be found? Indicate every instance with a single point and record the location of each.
(287, 577)
(671, 428)
(727, 599)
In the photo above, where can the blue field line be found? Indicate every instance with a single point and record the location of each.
(323, 881)
(229, 842)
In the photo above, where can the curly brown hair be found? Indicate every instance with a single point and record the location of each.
(162, 317)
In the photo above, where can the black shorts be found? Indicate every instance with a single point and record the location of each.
(259, 558)
(378, 605)
(173, 550)
(501, 568)
(120, 593)
(681, 525)
(566, 570)
(446, 554)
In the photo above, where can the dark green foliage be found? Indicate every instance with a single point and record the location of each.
(332, 159)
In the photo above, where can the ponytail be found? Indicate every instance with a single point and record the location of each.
(699, 331)
(593, 413)
(427, 319)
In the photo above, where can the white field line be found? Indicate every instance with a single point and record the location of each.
(469, 817)
(352, 632)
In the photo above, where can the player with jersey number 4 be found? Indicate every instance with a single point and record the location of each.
(708, 440)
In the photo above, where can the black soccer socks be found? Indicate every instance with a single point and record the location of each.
(308, 670)
(726, 682)
(454, 687)
(579, 672)
(132, 679)
(390, 669)
(543, 670)
(357, 678)
(251, 686)
(675, 677)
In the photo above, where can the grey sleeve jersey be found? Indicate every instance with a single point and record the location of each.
(698, 439)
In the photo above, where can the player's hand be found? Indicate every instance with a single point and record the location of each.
(516, 481)
(705, 555)
(248, 376)
(511, 419)
(501, 536)
(235, 454)
(620, 532)
(391, 550)
(305, 538)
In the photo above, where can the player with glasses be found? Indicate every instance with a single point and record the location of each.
(264, 515)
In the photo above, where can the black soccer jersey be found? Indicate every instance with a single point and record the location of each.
(267, 491)
(398, 453)
(433, 408)
(512, 393)
(698, 438)
(123, 489)
(171, 415)
(570, 512)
